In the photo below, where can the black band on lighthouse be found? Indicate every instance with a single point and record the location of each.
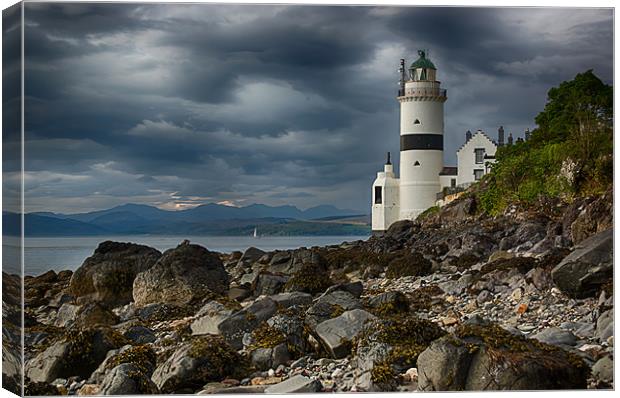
(421, 141)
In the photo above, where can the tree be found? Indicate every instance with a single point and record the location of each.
(580, 113)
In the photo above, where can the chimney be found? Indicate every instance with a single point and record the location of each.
(527, 134)
(500, 136)
(403, 78)
(467, 136)
(388, 159)
(510, 139)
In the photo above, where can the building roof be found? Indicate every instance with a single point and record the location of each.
(449, 171)
(422, 62)
(479, 132)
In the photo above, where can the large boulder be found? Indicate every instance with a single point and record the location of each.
(487, 357)
(78, 354)
(337, 334)
(108, 275)
(182, 275)
(389, 347)
(401, 230)
(445, 366)
(587, 268)
(201, 360)
(127, 379)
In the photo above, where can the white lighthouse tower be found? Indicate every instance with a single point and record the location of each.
(421, 148)
(421, 137)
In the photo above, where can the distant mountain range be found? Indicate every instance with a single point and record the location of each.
(208, 219)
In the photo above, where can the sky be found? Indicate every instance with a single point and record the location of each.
(178, 105)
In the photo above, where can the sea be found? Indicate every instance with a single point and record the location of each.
(68, 253)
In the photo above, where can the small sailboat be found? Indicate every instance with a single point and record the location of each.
(255, 235)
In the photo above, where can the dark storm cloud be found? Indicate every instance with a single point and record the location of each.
(177, 103)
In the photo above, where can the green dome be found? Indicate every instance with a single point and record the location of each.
(422, 62)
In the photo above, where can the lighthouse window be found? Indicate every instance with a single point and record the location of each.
(378, 198)
(416, 163)
(417, 121)
(479, 152)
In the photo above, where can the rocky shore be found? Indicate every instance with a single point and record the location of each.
(454, 301)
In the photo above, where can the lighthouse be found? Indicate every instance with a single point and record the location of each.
(421, 137)
(421, 100)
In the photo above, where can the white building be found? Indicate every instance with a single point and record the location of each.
(474, 158)
(423, 176)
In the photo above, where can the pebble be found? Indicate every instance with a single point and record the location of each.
(447, 321)
(337, 373)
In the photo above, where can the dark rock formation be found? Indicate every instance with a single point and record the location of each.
(583, 272)
(108, 275)
(202, 359)
(487, 357)
(182, 275)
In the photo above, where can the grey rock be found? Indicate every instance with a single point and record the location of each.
(140, 335)
(605, 325)
(295, 384)
(603, 369)
(443, 366)
(395, 300)
(187, 368)
(251, 255)
(268, 284)
(239, 293)
(108, 275)
(487, 371)
(280, 257)
(401, 230)
(584, 330)
(181, 275)
(261, 358)
(556, 336)
(355, 288)
(457, 287)
(337, 334)
(127, 379)
(292, 326)
(249, 278)
(540, 278)
(590, 265)
(299, 258)
(300, 363)
(56, 361)
(484, 296)
(66, 315)
(244, 321)
(209, 317)
(95, 314)
(328, 303)
(279, 355)
(292, 298)
(60, 299)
